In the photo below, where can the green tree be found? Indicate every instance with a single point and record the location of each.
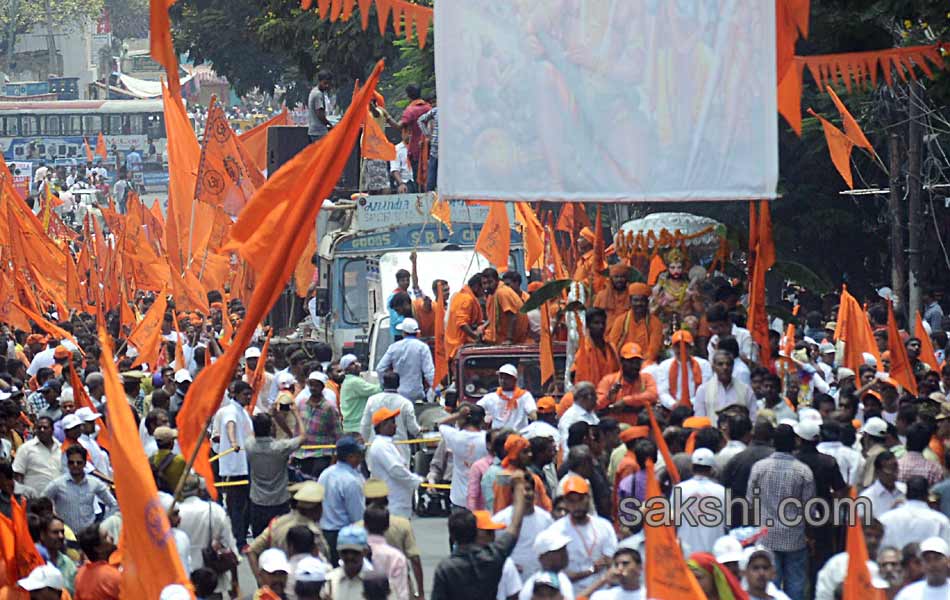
(22, 16)
(129, 18)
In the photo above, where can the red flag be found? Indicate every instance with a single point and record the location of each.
(927, 353)
(901, 369)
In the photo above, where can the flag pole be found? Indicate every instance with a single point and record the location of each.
(194, 201)
(191, 461)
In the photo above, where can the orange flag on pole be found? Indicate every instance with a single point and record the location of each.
(442, 212)
(227, 177)
(851, 127)
(546, 343)
(927, 353)
(179, 345)
(82, 399)
(857, 581)
(666, 573)
(269, 235)
(184, 153)
(147, 335)
(494, 241)
(101, 149)
(855, 330)
(44, 324)
(532, 234)
(89, 155)
(662, 447)
(764, 250)
(259, 375)
(150, 558)
(160, 43)
(839, 146)
(440, 356)
(599, 282)
(15, 535)
(901, 369)
(375, 146)
(255, 140)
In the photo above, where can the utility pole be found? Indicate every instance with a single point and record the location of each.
(898, 260)
(51, 41)
(914, 142)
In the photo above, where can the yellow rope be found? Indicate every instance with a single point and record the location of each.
(434, 440)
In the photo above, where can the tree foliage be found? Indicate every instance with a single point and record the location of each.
(129, 18)
(30, 15)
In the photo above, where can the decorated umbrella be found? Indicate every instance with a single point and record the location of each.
(701, 235)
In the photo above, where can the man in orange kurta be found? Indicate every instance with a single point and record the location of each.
(624, 393)
(465, 317)
(638, 326)
(596, 357)
(423, 309)
(585, 251)
(614, 298)
(506, 323)
(517, 458)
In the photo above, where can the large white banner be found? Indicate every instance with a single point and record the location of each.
(606, 100)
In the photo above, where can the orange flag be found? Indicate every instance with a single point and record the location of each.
(573, 218)
(857, 581)
(149, 558)
(82, 399)
(764, 250)
(666, 573)
(657, 266)
(839, 146)
(546, 347)
(227, 177)
(439, 355)
(269, 235)
(303, 272)
(532, 234)
(851, 127)
(227, 328)
(89, 154)
(183, 156)
(375, 146)
(101, 149)
(15, 534)
(901, 369)
(927, 353)
(160, 43)
(855, 330)
(179, 345)
(258, 377)
(255, 140)
(147, 335)
(494, 241)
(442, 212)
(662, 447)
(45, 325)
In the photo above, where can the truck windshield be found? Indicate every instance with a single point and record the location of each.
(480, 373)
(355, 308)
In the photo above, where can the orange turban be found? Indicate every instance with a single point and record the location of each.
(639, 289)
(697, 423)
(588, 235)
(514, 445)
(35, 338)
(634, 433)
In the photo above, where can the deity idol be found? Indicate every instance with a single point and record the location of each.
(674, 297)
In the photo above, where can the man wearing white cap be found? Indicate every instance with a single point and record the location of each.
(390, 398)
(274, 569)
(411, 359)
(550, 546)
(97, 456)
(935, 553)
(509, 405)
(692, 532)
(321, 424)
(874, 431)
(826, 361)
(43, 583)
(234, 428)
(266, 396)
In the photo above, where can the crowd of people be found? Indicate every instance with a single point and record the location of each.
(320, 488)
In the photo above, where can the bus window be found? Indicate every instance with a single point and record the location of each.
(29, 125)
(155, 126)
(136, 125)
(72, 125)
(92, 124)
(355, 298)
(115, 125)
(53, 125)
(11, 126)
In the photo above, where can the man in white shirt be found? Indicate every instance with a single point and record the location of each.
(235, 427)
(401, 168)
(466, 445)
(914, 520)
(849, 460)
(593, 541)
(833, 573)
(39, 460)
(535, 520)
(692, 532)
(265, 399)
(509, 405)
(406, 425)
(886, 492)
(935, 554)
(723, 390)
(585, 400)
(668, 374)
(386, 463)
(625, 575)
(739, 432)
(550, 547)
(720, 324)
(205, 521)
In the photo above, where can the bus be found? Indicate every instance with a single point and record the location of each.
(52, 132)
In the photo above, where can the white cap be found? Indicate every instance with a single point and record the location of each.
(877, 581)
(252, 352)
(87, 414)
(727, 549)
(703, 457)
(926, 327)
(175, 591)
(273, 560)
(844, 373)
(409, 325)
(807, 430)
(809, 414)
(869, 359)
(318, 376)
(182, 375)
(550, 540)
(875, 426)
(285, 380)
(508, 369)
(826, 348)
(346, 360)
(810, 340)
(311, 569)
(886, 293)
(42, 577)
(790, 422)
(70, 421)
(935, 544)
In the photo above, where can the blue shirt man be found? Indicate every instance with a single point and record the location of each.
(411, 359)
(343, 501)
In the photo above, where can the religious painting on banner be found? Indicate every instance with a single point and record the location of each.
(607, 100)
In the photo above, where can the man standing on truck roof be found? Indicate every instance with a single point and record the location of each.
(402, 287)
(506, 323)
(424, 308)
(465, 317)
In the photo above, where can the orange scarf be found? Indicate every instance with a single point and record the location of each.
(512, 401)
(679, 365)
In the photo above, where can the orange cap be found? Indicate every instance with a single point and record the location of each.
(483, 521)
(546, 405)
(61, 352)
(697, 423)
(631, 350)
(588, 234)
(576, 485)
(384, 413)
(639, 289)
(35, 338)
(634, 432)
(682, 336)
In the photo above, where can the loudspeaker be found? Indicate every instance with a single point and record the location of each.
(283, 143)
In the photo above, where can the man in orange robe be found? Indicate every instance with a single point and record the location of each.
(637, 325)
(506, 323)
(623, 394)
(614, 298)
(423, 309)
(585, 251)
(465, 317)
(596, 357)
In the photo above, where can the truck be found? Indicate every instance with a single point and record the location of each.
(365, 240)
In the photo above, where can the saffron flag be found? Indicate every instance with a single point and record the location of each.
(839, 146)
(101, 149)
(760, 230)
(546, 347)
(160, 43)
(439, 355)
(269, 235)
(494, 241)
(657, 266)
(901, 369)
(855, 330)
(851, 127)
(598, 281)
(442, 212)
(147, 335)
(150, 558)
(227, 177)
(46, 325)
(532, 233)
(666, 573)
(179, 345)
(255, 139)
(375, 146)
(89, 155)
(19, 552)
(927, 353)
(183, 156)
(662, 447)
(857, 581)
(305, 269)
(259, 376)
(83, 399)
